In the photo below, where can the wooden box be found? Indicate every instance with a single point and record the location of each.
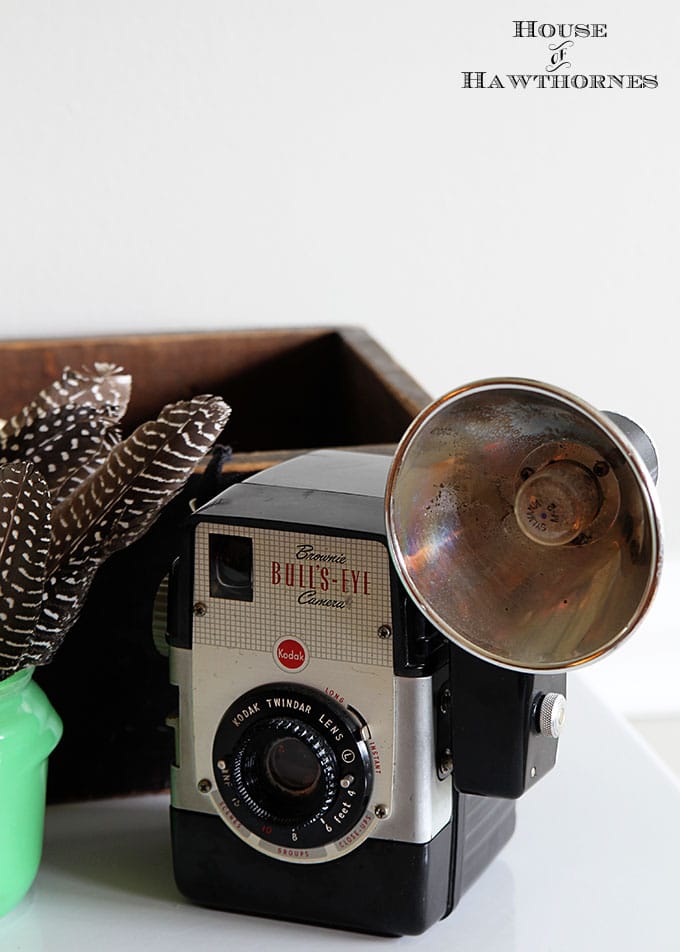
(290, 390)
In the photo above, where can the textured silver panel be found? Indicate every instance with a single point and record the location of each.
(330, 592)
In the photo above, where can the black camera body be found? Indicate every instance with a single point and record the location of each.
(338, 760)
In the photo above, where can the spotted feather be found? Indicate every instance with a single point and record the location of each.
(24, 544)
(118, 502)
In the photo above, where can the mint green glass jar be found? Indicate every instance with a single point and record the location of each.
(30, 729)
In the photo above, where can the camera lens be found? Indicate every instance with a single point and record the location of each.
(284, 771)
(292, 767)
(293, 770)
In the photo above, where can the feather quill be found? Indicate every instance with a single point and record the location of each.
(24, 544)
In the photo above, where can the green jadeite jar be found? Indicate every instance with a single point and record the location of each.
(30, 729)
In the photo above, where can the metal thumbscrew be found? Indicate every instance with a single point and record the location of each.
(384, 631)
(552, 714)
(200, 609)
(204, 786)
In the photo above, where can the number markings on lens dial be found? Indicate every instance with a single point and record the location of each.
(283, 781)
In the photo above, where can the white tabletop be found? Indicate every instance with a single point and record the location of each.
(593, 865)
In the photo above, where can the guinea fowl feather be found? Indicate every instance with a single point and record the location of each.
(77, 472)
(145, 471)
(24, 544)
(93, 496)
(117, 503)
(105, 385)
(69, 428)
(73, 440)
(62, 601)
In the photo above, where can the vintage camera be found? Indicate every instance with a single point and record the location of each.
(370, 652)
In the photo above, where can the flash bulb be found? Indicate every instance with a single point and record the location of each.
(557, 504)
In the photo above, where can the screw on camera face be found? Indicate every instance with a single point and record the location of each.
(445, 701)
(200, 609)
(204, 786)
(384, 631)
(446, 764)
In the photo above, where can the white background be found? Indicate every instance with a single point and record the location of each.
(174, 165)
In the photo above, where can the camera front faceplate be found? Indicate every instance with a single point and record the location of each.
(291, 646)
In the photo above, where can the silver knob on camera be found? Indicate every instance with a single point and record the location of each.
(552, 714)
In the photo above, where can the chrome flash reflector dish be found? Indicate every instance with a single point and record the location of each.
(524, 524)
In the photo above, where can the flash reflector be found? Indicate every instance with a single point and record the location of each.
(524, 524)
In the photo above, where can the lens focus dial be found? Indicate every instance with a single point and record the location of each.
(293, 770)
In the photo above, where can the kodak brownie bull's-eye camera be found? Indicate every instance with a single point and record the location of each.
(371, 652)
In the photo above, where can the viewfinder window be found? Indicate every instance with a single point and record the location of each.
(231, 567)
